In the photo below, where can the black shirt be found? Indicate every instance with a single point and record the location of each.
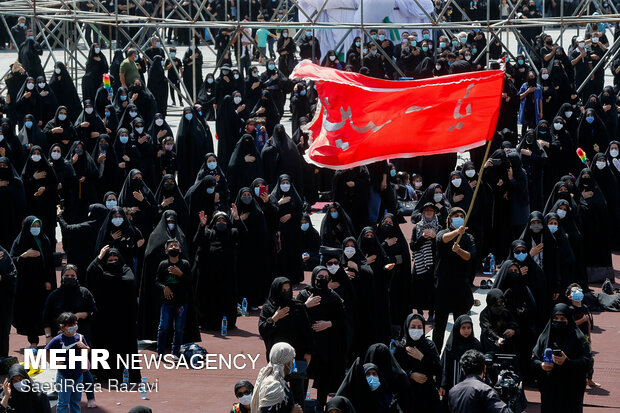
(180, 285)
(473, 395)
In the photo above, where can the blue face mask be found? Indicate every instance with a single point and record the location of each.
(426, 36)
(577, 295)
(521, 256)
(28, 124)
(334, 215)
(382, 37)
(542, 132)
(442, 44)
(189, 116)
(31, 37)
(392, 172)
(520, 61)
(474, 50)
(552, 228)
(124, 139)
(257, 191)
(173, 54)
(35, 231)
(304, 227)
(455, 43)
(123, 97)
(211, 165)
(425, 49)
(458, 222)
(62, 116)
(210, 191)
(589, 119)
(373, 382)
(358, 44)
(271, 67)
(110, 204)
(303, 92)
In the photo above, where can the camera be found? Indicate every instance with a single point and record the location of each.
(502, 375)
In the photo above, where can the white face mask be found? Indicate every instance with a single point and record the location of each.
(600, 164)
(437, 67)
(349, 252)
(417, 184)
(561, 213)
(285, 187)
(456, 182)
(437, 197)
(470, 173)
(613, 153)
(171, 227)
(557, 126)
(582, 45)
(467, 57)
(245, 399)
(30, 86)
(568, 114)
(594, 40)
(41, 85)
(333, 269)
(159, 122)
(416, 333)
(88, 110)
(237, 100)
(97, 50)
(545, 76)
(57, 71)
(55, 156)
(22, 386)
(37, 158)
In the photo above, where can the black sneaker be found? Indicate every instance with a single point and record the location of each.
(608, 288)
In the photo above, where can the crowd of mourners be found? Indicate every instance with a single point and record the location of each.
(164, 235)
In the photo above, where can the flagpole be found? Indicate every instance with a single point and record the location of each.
(473, 199)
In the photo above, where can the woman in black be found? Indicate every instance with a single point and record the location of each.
(395, 246)
(168, 197)
(128, 115)
(86, 183)
(60, 129)
(368, 390)
(562, 380)
(351, 188)
(211, 167)
(280, 156)
(192, 60)
(461, 196)
(267, 107)
(433, 194)
(119, 233)
(310, 243)
(114, 287)
(562, 249)
(192, 144)
(216, 270)
(136, 193)
(418, 357)
(157, 84)
(31, 134)
(121, 101)
(377, 259)
(326, 314)
(461, 339)
(201, 197)
(159, 129)
(15, 150)
(89, 126)
(424, 258)
(228, 125)
(65, 174)
(107, 165)
(21, 401)
(47, 102)
(245, 164)
(33, 258)
(592, 134)
(126, 153)
(26, 100)
(499, 329)
(146, 147)
(595, 221)
(534, 159)
(255, 269)
(336, 226)
(395, 377)
(453, 273)
(11, 213)
(570, 226)
(289, 214)
(96, 66)
(41, 186)
(609, 184)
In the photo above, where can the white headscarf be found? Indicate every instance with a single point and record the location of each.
(270, 383)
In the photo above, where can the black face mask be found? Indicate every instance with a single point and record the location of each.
(169, 186)
(173, 252)
(220, 226)
(388, 228)
(321, 283)
(70, 282)
(512, 276)
(103, 147)
(286, 296)
(113, 266)
(136, 184)
(559, 325)
(531, 82)
(368, 242)
(5, 174)
(497, 309)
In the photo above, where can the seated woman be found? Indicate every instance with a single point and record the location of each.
(499, 328)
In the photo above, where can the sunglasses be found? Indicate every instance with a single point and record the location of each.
(245, 393)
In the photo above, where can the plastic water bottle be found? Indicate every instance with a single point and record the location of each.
(308, 396)
(125, 376)
(548, 356)
(224, 327)
(392, 346)
(492, 263)
(244, 307)
(143, 385)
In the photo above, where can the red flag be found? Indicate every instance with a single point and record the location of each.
(360, 120)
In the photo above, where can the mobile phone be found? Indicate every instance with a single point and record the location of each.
(557, 353)
(263, 189)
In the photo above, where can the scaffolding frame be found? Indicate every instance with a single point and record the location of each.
(62, 24)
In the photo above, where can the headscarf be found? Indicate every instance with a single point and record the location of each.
(270, 384)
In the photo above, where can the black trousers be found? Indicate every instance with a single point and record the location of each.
(441, 321)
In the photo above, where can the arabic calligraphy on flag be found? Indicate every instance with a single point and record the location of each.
(360, 120)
